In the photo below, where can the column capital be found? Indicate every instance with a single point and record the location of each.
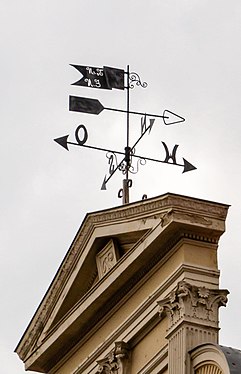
(193, 304)
(116, 362)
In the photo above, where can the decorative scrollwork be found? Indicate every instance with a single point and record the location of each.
(199, 303)
(134, 79)
(140, 162)
(112, 161)
(117, 361)
(122, 168)
(108, 368)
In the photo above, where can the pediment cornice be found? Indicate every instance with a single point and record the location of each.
(163, 211)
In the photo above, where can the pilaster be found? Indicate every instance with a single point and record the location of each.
(192, 314)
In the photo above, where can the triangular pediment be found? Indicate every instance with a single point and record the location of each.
(88, 275)
(111, 252)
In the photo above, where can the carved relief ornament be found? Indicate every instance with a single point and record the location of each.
(193, 304)
(117, 361)
(107, 258)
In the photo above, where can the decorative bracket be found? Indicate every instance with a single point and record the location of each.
(117, 361)
(135, 79)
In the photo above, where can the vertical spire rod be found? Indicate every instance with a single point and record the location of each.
(125, 198)
(128, 105)
(126, 184)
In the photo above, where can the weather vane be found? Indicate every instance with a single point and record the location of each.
(109, 78)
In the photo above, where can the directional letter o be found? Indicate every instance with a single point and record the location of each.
(85, 135)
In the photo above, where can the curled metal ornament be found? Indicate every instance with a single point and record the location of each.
(140, 162)
(122, 167)
(112, 161)
(134, 79)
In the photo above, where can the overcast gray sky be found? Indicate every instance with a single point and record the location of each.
(189, 53)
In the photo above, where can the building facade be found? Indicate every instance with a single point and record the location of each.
(137, 293)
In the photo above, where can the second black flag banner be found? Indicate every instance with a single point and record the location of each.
(104, 78)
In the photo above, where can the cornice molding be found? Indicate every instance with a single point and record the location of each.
(160, 207)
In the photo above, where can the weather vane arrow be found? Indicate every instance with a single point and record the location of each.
(63, 141)
(94, 106)
(128, 154)
(113, 78)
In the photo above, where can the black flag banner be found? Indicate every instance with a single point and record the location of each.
(103, 78)
(114, 77)
(91, 77)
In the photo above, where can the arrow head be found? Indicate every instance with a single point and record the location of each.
(170, 118)
(62, 141)
(152, 120)
(188, 166)
(103, 187)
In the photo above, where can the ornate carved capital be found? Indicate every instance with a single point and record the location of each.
(193, 304)
(117, 361)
